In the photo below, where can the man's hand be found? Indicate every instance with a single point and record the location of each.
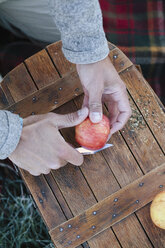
(101, 83)
(42, 148)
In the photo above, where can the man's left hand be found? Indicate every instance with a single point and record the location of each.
(101, 83)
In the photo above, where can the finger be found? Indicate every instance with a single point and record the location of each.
(124, 114)
(113, 112)
(95, 105)
(85, 101)
(71, 155)
(32, 119)
(71, 119)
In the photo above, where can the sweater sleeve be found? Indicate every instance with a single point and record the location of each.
(10, 132)
(81, 27)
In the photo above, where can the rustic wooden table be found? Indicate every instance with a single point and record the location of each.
(105, 202)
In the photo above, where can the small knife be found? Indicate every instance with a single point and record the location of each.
(85, 151)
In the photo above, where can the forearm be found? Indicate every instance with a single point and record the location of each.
(10, 132)
(80, 24)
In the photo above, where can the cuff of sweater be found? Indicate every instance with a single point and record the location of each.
(87, 57)
(15, 124)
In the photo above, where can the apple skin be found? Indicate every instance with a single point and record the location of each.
(92, 135)
(157, 210)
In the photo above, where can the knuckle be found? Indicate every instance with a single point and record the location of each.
(95, 105)
(70, 118)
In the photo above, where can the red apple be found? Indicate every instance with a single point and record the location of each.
(93, 135)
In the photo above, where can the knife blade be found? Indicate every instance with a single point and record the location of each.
(85, 151)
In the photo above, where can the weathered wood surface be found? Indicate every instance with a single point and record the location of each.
(42, 70)
(110, 210)
(18, 84)
(146, 101)
(34, 88)
(74, 178)
(100, 171)
(49, 97)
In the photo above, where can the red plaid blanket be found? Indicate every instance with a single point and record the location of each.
(137, 27)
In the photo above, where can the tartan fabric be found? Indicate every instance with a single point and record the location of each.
(137, 27)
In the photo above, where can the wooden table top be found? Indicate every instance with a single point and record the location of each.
(120, 182)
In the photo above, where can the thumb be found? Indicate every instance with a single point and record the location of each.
(72, 119)
(95, 106)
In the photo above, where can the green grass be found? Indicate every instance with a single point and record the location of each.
(20, 223)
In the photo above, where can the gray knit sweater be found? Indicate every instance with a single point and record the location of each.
(84, 42)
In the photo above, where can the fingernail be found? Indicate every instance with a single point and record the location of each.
(83, 111)
(95, 117)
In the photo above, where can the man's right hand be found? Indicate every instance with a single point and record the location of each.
(41, 146)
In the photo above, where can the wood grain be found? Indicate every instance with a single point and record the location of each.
(121, 162)
(69, 178)
(95, 169)
(119, 60)
(145, 99)
(107, 212)
(109, 186)
(44, 198)
(141, 141)
(50, 97)
(18, 84)
(42, 69)
(75, 204)
(61, 63)
(145, 148)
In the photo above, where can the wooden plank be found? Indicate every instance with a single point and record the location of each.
(146, 102)
(47, 204)
(61, 200)
(107, 212)
(119, 60)
(18, 83)
(106, 239)
(78, 195)
(143, 144)
(77, 204)
(147, 153)
(42, 69)
(95, 169)
(3, 100)
(44, 198)
(53, 185)
(156, 234)
(126, 170)
(50, 97)
(141, 141)
(62, 64)
(126, 232)
(103, 239)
